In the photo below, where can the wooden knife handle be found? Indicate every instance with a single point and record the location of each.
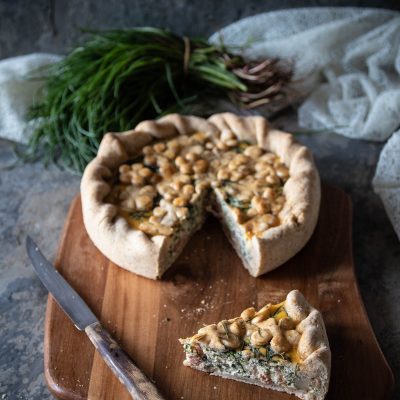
(139, 386)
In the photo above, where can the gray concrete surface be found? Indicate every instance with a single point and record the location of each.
(55, 25)
(34, 199)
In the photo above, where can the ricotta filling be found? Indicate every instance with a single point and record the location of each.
(236, 233)
(260, 367)
(183, 232)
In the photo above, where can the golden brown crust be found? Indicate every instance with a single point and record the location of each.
(313, 346)
(135, 251)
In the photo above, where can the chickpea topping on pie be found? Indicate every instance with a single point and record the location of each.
(178, 171)
(270, 326)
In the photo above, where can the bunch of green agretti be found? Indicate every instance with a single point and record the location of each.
(118, 78)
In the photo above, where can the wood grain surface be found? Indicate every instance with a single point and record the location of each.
(206, 284)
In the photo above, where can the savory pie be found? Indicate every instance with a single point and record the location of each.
(282, 347)
(148, 190)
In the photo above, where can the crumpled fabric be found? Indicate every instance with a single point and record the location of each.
(348, 58)
(19, 90)
(347, 64)
(386, 181)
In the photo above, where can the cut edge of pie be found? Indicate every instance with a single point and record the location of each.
(282, 347)
(151, 256)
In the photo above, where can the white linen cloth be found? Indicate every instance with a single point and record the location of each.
(346, 59)
(18, 92)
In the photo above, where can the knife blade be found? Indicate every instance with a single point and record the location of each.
(138, 385)
(66, 297)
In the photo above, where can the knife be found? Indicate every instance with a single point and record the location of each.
(137, 384)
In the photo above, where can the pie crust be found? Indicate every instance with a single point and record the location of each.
(150, 256)
(282, 347)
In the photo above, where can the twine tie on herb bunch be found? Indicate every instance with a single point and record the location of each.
(118, 78)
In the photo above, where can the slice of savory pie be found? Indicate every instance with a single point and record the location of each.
(282, 347)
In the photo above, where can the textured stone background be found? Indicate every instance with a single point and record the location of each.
(54, 25)
(34, 199)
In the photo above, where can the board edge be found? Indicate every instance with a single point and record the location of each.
(58, 391)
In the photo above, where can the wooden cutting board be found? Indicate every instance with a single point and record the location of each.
(206, 284)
